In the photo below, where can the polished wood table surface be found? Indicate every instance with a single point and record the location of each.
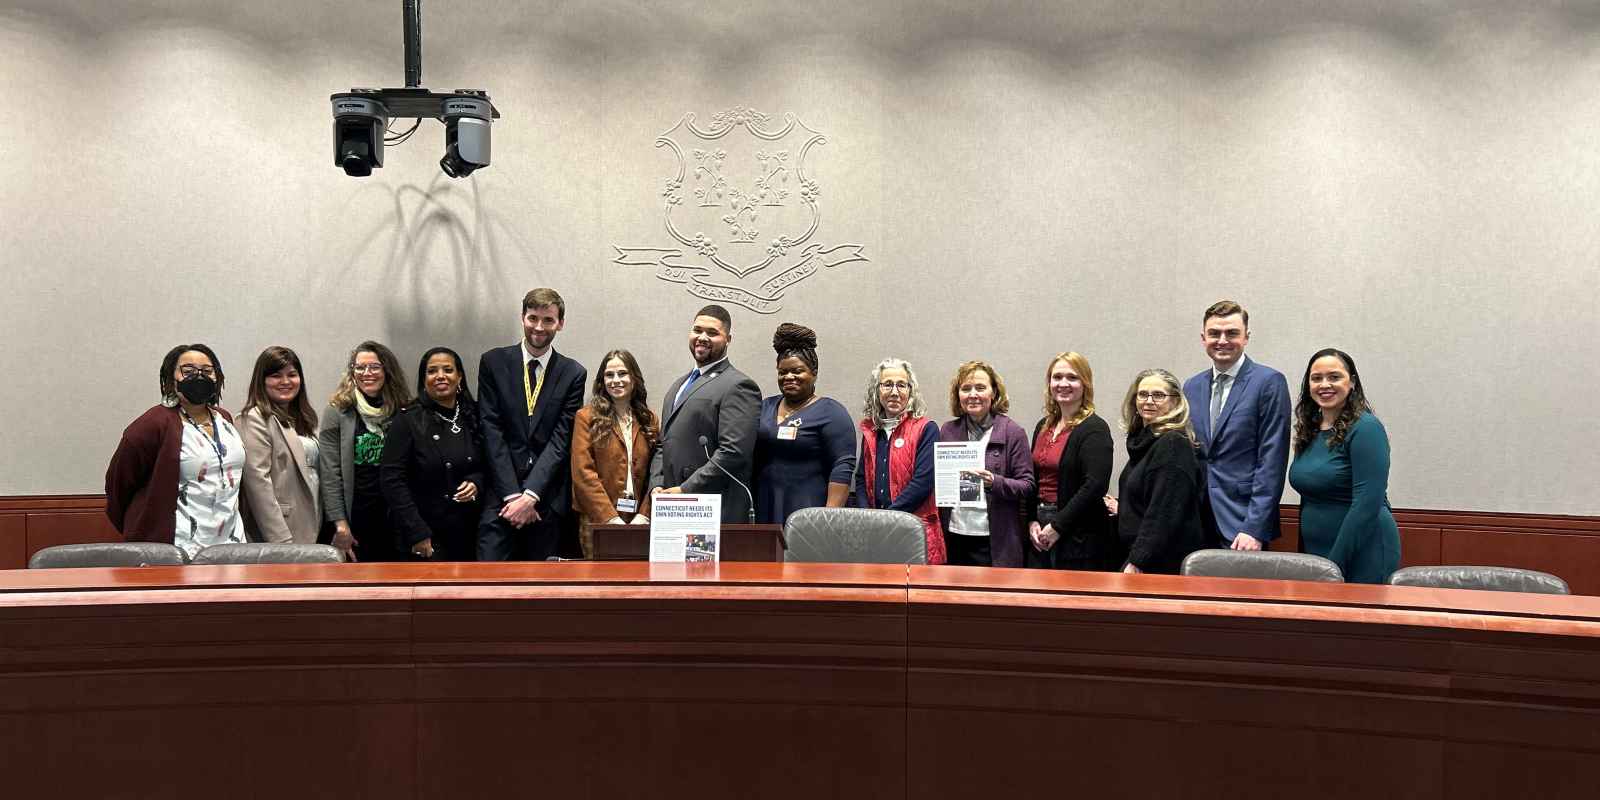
(746, 680)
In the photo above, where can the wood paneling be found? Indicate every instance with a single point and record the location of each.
(13, 541)
(1420, 546)
(1573, 556)
(50, 528)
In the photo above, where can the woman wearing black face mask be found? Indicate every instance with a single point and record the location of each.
(175, 475)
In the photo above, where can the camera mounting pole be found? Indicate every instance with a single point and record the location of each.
(413, 36)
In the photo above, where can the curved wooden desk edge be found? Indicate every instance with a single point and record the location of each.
(627, 679)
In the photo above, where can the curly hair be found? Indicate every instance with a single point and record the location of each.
(872, 409)
(1308, 415)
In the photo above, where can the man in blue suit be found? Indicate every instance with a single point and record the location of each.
(528, 395)
(1240, 411)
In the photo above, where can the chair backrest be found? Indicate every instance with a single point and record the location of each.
(1491, 579)
(1261, 564)
(108, 554)
(855, 536)
(269, 553)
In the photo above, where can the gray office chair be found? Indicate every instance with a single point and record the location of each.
(268, 553)
(108, 554)
(1261, 564)
(1489, 579)
(855, 536)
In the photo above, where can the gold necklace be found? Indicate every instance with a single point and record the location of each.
(783, 415)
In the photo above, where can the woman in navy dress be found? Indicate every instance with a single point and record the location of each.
(805, 444)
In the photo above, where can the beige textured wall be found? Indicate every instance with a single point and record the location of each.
(1413, 182)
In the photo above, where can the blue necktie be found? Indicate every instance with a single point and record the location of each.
(694, 375)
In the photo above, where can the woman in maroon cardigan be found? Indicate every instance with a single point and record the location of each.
(996, 535)
(175, 475)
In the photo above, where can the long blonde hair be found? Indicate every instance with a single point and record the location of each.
(1052, 410)
(1175, 420)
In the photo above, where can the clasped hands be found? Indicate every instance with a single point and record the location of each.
(520, 511)
(1043, 537)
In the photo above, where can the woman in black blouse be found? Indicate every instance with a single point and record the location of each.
(1068, 527)
(1158, 505)
(433, 464)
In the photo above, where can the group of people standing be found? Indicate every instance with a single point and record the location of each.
(386, 472)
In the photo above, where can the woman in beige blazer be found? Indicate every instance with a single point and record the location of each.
(612, 440)
(281, 490)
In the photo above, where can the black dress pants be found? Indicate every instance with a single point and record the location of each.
(968, 551)
(499, 541)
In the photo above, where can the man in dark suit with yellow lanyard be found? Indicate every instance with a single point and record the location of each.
(527, 396)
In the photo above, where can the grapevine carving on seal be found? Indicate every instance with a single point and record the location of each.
(741, 210)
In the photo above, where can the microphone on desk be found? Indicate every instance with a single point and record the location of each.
(750, 516)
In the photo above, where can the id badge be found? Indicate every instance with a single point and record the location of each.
(788, 433)
(627, 505)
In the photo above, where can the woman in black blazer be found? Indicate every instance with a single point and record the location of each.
(1068, 525)
(432, 473)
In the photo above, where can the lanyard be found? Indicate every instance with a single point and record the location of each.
(215, 440)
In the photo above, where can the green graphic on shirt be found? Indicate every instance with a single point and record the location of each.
(369, 449)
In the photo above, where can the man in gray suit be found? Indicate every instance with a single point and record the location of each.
(711, 411)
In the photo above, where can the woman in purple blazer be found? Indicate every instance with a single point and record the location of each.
(997, 534)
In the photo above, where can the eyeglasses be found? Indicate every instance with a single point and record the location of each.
(1159, 397)
(895, 386)
(366, 369)
(190, 370)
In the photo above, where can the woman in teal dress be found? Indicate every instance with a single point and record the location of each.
(1341, 470)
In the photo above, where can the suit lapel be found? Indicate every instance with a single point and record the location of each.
(1199, 413)
(291, 440)
(1235, 395)
(705, 379)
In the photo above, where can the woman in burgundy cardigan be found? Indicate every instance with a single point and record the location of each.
(176, 472)
(996, 535)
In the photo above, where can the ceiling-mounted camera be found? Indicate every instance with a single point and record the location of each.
(361, 117)
(466, 135)
(358, 126)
